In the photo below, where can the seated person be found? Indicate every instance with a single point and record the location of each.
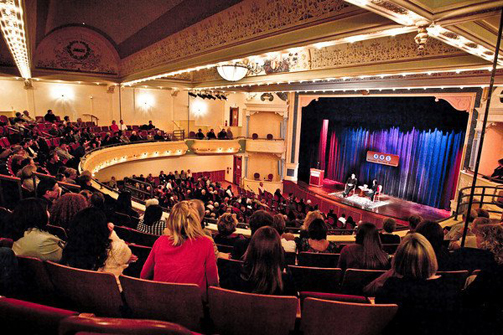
(226, 227)
(199, 134)
(366, 252)
(27, 227)
(317, 241)
(114, 127)
(263, 269)
(50, 117)
(152, 222)
(498, 172)
(211, 135)
(387, 236)
(258, 219)
(373, 189)
(222, 135)
(350, 185)
(287, 239)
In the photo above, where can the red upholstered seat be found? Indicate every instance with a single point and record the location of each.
(23, 317)
(180, 303)
(318, 316)
(254, 136)
(269, 137)
(87, 291)
(142, 252)
(334, 297)
(94, 325)
(39, 287)
(256, 176)
(240, 313)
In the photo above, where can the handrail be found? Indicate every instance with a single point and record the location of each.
(61, 183)
(128, 186)
(482, 195)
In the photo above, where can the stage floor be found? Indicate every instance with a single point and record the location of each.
(387, 205)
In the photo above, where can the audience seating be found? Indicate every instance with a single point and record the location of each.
(256, 176)
(58, 231)
(290, 258)
(270, 137)
(38, 285)
(87, 291)
(355, 280)
(142, 252)
(180, 303)
(318, 259)
(454, 279)
(240, 313)
(93, 325)
(344, 318)
(254, 136)
(334, 297)
(316, 279)
(225, 248)
(390, 248)
(227, 270)
(137, 237)
(124, 220)
(23, 317)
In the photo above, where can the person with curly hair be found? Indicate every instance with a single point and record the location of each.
(226, 225)
(93, 244)
(27, 227)
(64, 209)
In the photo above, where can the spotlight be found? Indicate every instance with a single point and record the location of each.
(224, 97)
(212, 97)
(200, 95)
(192, 94)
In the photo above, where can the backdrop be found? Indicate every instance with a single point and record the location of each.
(427, 136)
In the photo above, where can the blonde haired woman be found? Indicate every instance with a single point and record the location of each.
(310, 217)
(427, 303)
(184, 254)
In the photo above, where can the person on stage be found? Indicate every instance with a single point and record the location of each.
(373, 189)
(350, 185)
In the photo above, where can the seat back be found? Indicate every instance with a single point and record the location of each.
(120, 219)
(454, 280)
(140, 238)
(356, 279)
(245, 313)
(334, 297)
(87, 291)
(225, 248)
(319, 260)
(316, 279)
(39, 287)
(142, 252)
(350, 318)
(93, 325)
(180, 303)
(290, 258)
(58, 231)
(390, 248)
(228, 270)
(270, 137)
(254, 136)
(23, 317)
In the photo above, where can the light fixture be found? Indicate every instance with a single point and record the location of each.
(232, 72)
(12, 25)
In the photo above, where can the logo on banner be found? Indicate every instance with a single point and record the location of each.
(382, 158)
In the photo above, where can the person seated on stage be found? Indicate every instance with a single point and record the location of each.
(387, 236)
(498, 172)
(350, 185)
(373, 189)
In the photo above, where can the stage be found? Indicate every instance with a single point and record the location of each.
(361, 208)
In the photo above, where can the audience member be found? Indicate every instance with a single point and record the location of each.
(65, 208)
(434, 234)
(49, 191)
(426, 305)
(226, 226)
(414, 220)
(387, 236)
(366, 253)
(151, 222)
(310, 217)
(50, 117)
(263, 269)
(184, 254)
(317, 241)
(287, 240)
(28, 228)
(93, 244)
(114, 127)
(199, 134)
(259, 218)
(124, 205)
(211, 135)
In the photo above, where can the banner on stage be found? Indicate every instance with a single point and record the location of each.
(382, 158)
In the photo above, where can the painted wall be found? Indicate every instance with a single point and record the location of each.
(264, 164)
(265, 123)
(492, 150)
(193, 162)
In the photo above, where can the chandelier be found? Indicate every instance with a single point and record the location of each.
(232, 72)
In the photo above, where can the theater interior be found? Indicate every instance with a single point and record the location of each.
(300, 95)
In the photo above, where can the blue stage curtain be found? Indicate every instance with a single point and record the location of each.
(428, 167)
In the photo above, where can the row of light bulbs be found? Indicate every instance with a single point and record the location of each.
(13, 29)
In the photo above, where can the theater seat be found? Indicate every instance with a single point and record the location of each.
(355, 280)
(39, 287)
(344, 318)
(240, 313)
(316, 279)
(87, 291)
(180, 303)
(334, 297)
(23, 317)
(318, 260)
(94, 325)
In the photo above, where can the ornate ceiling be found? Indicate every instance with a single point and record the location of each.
(298, 44)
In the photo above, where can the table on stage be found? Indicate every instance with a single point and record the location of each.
(316, 177)
(363, 190)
